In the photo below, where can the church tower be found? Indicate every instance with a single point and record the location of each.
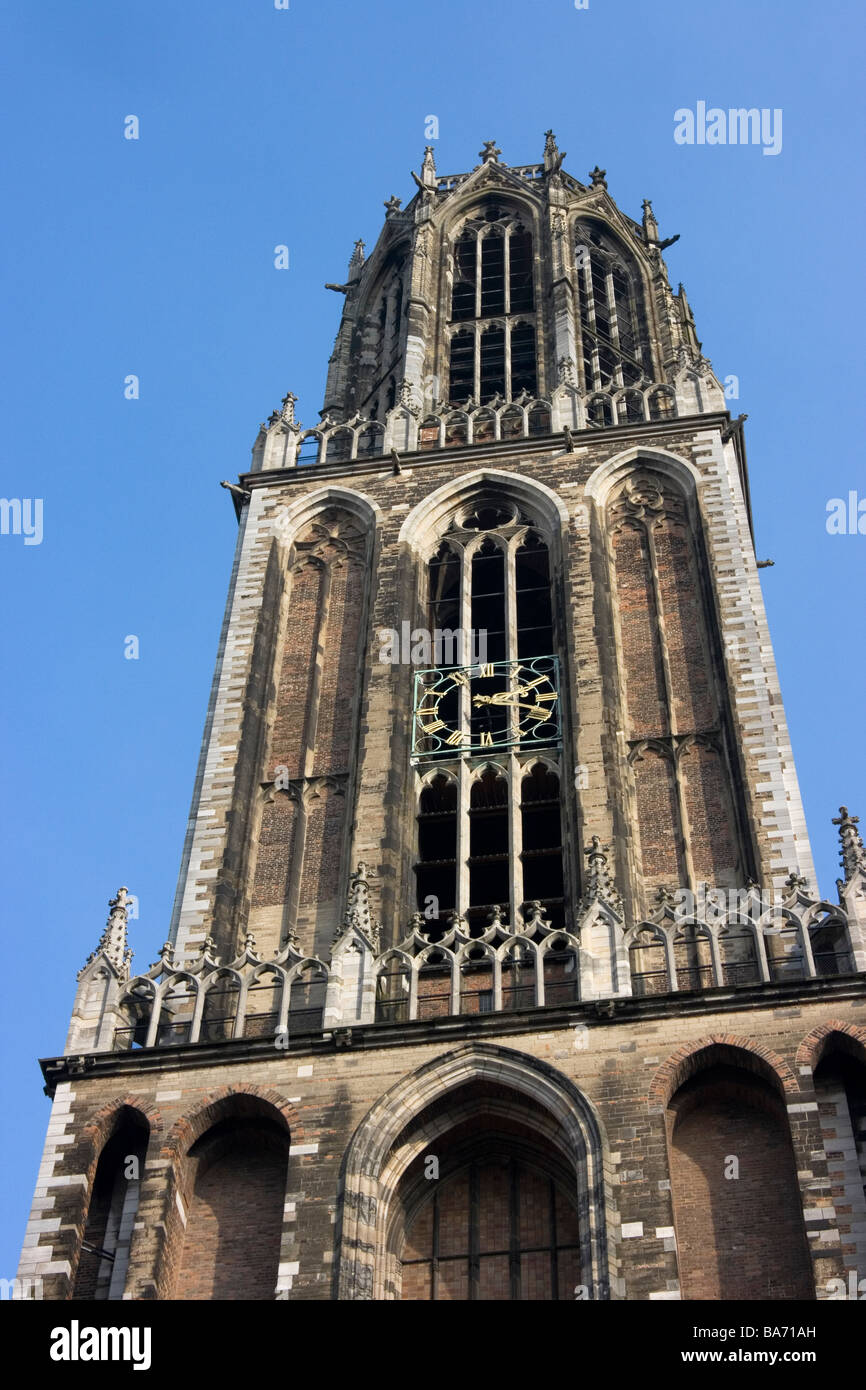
(498, 968)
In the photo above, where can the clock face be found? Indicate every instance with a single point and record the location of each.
(501, 704)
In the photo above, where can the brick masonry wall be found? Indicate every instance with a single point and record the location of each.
(737, 1206)
(231, 1244)
(626, 1071)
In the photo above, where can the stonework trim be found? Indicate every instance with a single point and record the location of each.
(367, 1191)
(602, 481)
(815, 1043)
(423, 526)
(687, 1061)
(220, 1105)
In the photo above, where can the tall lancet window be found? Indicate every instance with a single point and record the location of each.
(487, 729)
(493, 339)
(614, 347)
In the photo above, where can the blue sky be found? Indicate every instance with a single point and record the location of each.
(261, 127)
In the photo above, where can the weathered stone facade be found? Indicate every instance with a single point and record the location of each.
(632, 988)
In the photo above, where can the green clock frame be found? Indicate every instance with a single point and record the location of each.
(466, 711)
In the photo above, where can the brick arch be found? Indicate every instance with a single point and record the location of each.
(95, 1133)
(685, 1062)
(218, 1106)
(242, 1099)
(97, 1129)
(370, 1180)
(814, 1045)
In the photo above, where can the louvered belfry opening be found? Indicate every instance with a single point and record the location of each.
(492, 287)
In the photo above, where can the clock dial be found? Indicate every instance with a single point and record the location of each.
(498, 704)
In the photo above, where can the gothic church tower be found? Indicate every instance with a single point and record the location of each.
(497, 929)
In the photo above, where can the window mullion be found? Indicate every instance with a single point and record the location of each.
(515, 836)
(464, 787)
(506, 265)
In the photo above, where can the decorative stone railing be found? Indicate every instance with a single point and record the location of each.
(445, 968)
(284, 444)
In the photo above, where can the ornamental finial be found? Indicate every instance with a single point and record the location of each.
(852, 854)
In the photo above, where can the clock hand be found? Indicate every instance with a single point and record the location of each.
(506, 699)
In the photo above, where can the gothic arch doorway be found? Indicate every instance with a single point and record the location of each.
(498, 1223)
(478, 1177)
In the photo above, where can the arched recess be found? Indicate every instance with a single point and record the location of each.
(737, 1204)
(480, 1105)
(675, 714)
(225, 1201)
(297, 879)
(838, 1059)
(112, 1205)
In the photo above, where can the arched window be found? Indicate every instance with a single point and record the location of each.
(489, 827)
(541, 837)
(489, 879)
(339, 447)
(483, 426)
(428, 434)
(539, 418)
(393, 983)
(518, 977)
(492, 279)
(613, 333)
(662, 404)
(629, 408)
(104, 1257)
(436, 866)
(309, 449)
(370, 442)
(511, 423)
(219, 1014)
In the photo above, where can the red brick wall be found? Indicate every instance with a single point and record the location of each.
(660, 850)
(231, 1246)
(317, 690)
(684, 627)
(275, 848)
(707, 802)
(339, 680)
(641, 655)
(299, 656)
(708, 827)
(737, 1238)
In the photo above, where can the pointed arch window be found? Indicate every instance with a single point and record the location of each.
(492, 279)
(490, 826)
(614, 339)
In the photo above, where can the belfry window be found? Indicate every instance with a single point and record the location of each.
(613, 339)
(493, 280)
(489, 837)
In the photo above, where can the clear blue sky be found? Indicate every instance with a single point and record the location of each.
(155, 257)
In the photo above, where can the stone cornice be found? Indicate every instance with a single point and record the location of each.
(483, 453)
(373, 1036)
